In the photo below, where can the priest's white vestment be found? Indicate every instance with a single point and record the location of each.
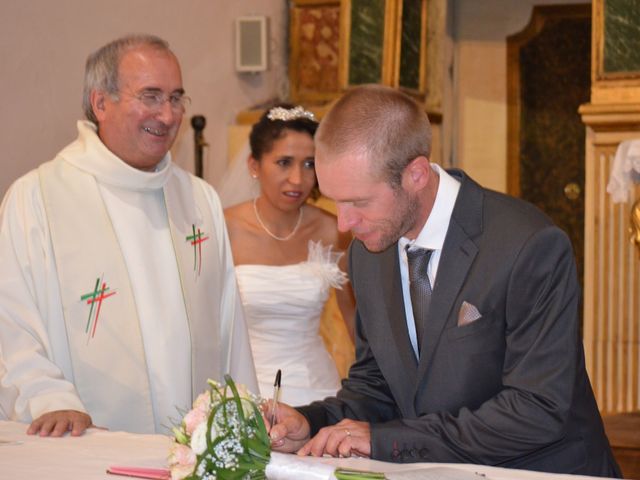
(118, 294)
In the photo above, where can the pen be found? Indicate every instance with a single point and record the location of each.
(274, 401)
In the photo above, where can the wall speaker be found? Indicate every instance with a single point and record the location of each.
(251, 44)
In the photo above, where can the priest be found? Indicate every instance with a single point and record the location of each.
(118, 298)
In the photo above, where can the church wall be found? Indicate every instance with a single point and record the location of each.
(478, 142)
(44, 44)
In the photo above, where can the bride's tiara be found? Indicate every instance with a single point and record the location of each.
(287, 114)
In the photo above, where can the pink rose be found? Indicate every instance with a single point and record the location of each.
(203, 402)
(194, 418)
(182, 461)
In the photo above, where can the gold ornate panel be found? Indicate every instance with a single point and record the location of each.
(336, 44)
(315, 50)
(385, 41)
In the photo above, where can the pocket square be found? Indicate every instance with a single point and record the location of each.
(468, 314)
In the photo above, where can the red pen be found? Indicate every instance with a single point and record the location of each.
(140, 472)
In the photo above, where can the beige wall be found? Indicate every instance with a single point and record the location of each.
(480, 29)
(44, 44)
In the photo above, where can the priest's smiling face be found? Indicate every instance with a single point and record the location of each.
(140, 122)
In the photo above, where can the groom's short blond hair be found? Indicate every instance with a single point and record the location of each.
(383, 124)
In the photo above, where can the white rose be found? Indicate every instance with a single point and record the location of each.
(199, 439)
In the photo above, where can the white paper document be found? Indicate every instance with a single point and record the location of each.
(436, 473)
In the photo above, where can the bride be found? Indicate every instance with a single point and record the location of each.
(286, 254)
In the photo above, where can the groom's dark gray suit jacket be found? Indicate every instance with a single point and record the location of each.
(508, 389)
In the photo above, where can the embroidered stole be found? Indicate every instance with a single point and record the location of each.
(107, 353)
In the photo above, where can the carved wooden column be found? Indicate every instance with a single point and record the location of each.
(612, 262)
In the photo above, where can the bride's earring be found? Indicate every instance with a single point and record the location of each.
(254, 175)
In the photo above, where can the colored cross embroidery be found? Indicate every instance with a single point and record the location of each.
(94, 299)
(196, 239)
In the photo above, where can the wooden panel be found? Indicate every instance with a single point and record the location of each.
(615, 77)
(614, 346)
(366, 41)
(611, 312)
(621, 38)
(411, 46)
(622, 430)
(612, 266)
(612, 262)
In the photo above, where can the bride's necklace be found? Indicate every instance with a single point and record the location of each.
(271, 234)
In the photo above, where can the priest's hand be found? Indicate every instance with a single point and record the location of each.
(344, 439)
(56, 424)
(290, 431)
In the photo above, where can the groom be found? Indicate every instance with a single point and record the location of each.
(478, 358)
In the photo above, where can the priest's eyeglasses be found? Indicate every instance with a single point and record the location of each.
(154, 100)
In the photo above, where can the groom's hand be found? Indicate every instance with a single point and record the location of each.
(290, 431)
(344, 439)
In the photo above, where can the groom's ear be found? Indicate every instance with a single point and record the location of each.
(415, 176)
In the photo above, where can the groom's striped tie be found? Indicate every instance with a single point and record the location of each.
(419, 288)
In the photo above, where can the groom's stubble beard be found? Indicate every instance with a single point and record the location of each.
(401, 219)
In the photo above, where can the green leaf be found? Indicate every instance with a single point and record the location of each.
(236, 398)
(352, 474)
(262, 428)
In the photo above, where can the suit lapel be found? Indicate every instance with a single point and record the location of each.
(455, 262)
(457, 257)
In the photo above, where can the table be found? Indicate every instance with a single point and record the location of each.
(27, 457)
(623, 430)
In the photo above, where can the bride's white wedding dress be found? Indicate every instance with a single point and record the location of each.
(283, 305)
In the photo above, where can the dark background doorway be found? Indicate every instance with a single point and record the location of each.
(549, 68)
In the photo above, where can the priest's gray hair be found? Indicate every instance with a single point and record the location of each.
(102, 67)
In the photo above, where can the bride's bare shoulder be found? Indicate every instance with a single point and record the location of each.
(238, 211)
(238, 215)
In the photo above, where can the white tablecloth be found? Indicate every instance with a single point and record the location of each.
(86, 457)
(28, 457)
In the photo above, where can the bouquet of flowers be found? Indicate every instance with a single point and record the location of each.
(223, 437)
